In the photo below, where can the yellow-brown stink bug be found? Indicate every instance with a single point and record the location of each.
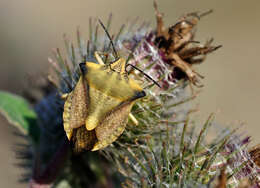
(100, 102)
(96, 111)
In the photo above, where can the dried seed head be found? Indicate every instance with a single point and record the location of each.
(178, 46)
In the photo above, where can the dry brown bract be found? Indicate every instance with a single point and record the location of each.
(178, 45)
(255, 155)
(222, 179)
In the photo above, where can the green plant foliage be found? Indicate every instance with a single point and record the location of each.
(18, 113)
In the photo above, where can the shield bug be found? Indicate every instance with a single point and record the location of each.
(96, 111)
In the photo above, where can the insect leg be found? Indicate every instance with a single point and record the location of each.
(64, 96)
(132, 117)
(98, 58)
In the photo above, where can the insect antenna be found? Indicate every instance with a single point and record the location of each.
(149, 77)
(111, 42)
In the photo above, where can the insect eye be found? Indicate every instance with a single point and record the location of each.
(139, 95)
(83, 68)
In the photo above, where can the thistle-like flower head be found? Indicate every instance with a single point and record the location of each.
(160, 147)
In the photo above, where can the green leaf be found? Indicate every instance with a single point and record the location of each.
(18, 112)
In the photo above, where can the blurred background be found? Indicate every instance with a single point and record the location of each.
(30, 29)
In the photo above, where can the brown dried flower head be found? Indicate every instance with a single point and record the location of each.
(178, 46)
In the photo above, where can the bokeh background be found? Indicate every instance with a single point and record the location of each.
(29, 30)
